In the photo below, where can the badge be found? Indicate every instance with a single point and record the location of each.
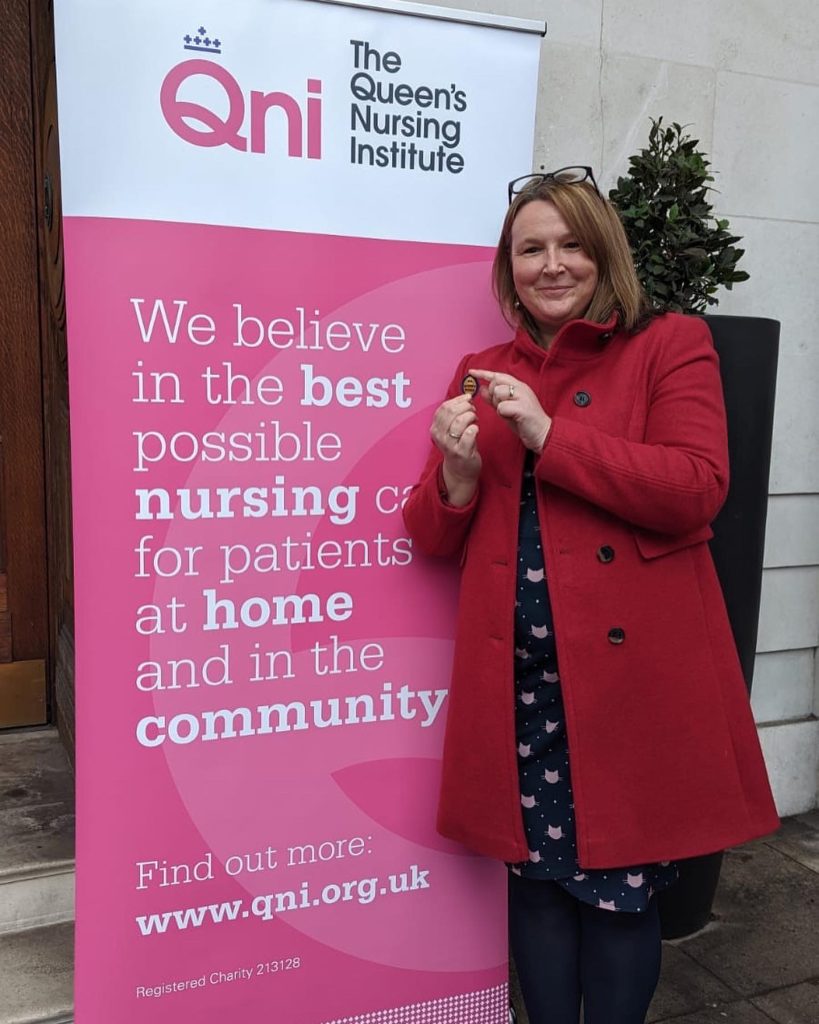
(470, 385)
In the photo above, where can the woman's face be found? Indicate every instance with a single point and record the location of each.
(554, 278)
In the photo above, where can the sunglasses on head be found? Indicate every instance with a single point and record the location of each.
(564, 176)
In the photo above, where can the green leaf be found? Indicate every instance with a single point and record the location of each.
(682, 252)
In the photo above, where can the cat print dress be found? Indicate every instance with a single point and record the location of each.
(543, 751)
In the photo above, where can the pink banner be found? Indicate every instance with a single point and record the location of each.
(278, 227)
(263, 662)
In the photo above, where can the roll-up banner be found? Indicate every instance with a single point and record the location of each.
(279, 221)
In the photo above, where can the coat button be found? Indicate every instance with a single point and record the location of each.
(605, 553)
(582, 398)
(617, 635)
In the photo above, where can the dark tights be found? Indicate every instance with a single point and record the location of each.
(566, 951)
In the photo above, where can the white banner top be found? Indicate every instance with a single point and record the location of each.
(283, 114)
(425, 10)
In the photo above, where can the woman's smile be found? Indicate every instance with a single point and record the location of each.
(555, 279)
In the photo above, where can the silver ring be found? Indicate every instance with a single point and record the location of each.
(511, 390)
(456, 436)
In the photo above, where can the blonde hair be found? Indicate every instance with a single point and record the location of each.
(596, 226)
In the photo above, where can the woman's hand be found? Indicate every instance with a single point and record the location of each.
(455, 432)
(518, 405)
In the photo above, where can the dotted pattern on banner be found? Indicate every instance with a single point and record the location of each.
(489, 1006)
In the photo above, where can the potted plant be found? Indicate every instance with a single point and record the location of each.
(683, 255)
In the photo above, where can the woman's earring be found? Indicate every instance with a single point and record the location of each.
(516, 303)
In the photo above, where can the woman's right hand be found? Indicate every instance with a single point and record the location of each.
(454, 431)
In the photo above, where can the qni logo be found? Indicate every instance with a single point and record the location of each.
(201, 126)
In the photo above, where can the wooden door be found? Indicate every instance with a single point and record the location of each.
(23, 591)
(36, 599)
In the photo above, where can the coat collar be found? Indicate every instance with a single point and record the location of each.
(576, 340)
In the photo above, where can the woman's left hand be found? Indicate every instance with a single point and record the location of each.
(518, 405)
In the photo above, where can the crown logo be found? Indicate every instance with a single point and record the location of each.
(202, 42)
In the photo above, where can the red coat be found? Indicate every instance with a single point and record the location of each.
(664, 752)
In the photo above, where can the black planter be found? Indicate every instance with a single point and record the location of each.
(748, 349)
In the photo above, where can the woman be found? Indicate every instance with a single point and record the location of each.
(598, 724)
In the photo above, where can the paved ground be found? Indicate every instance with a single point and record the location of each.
(758, 959)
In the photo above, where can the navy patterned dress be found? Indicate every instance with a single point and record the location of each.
(543, 751)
